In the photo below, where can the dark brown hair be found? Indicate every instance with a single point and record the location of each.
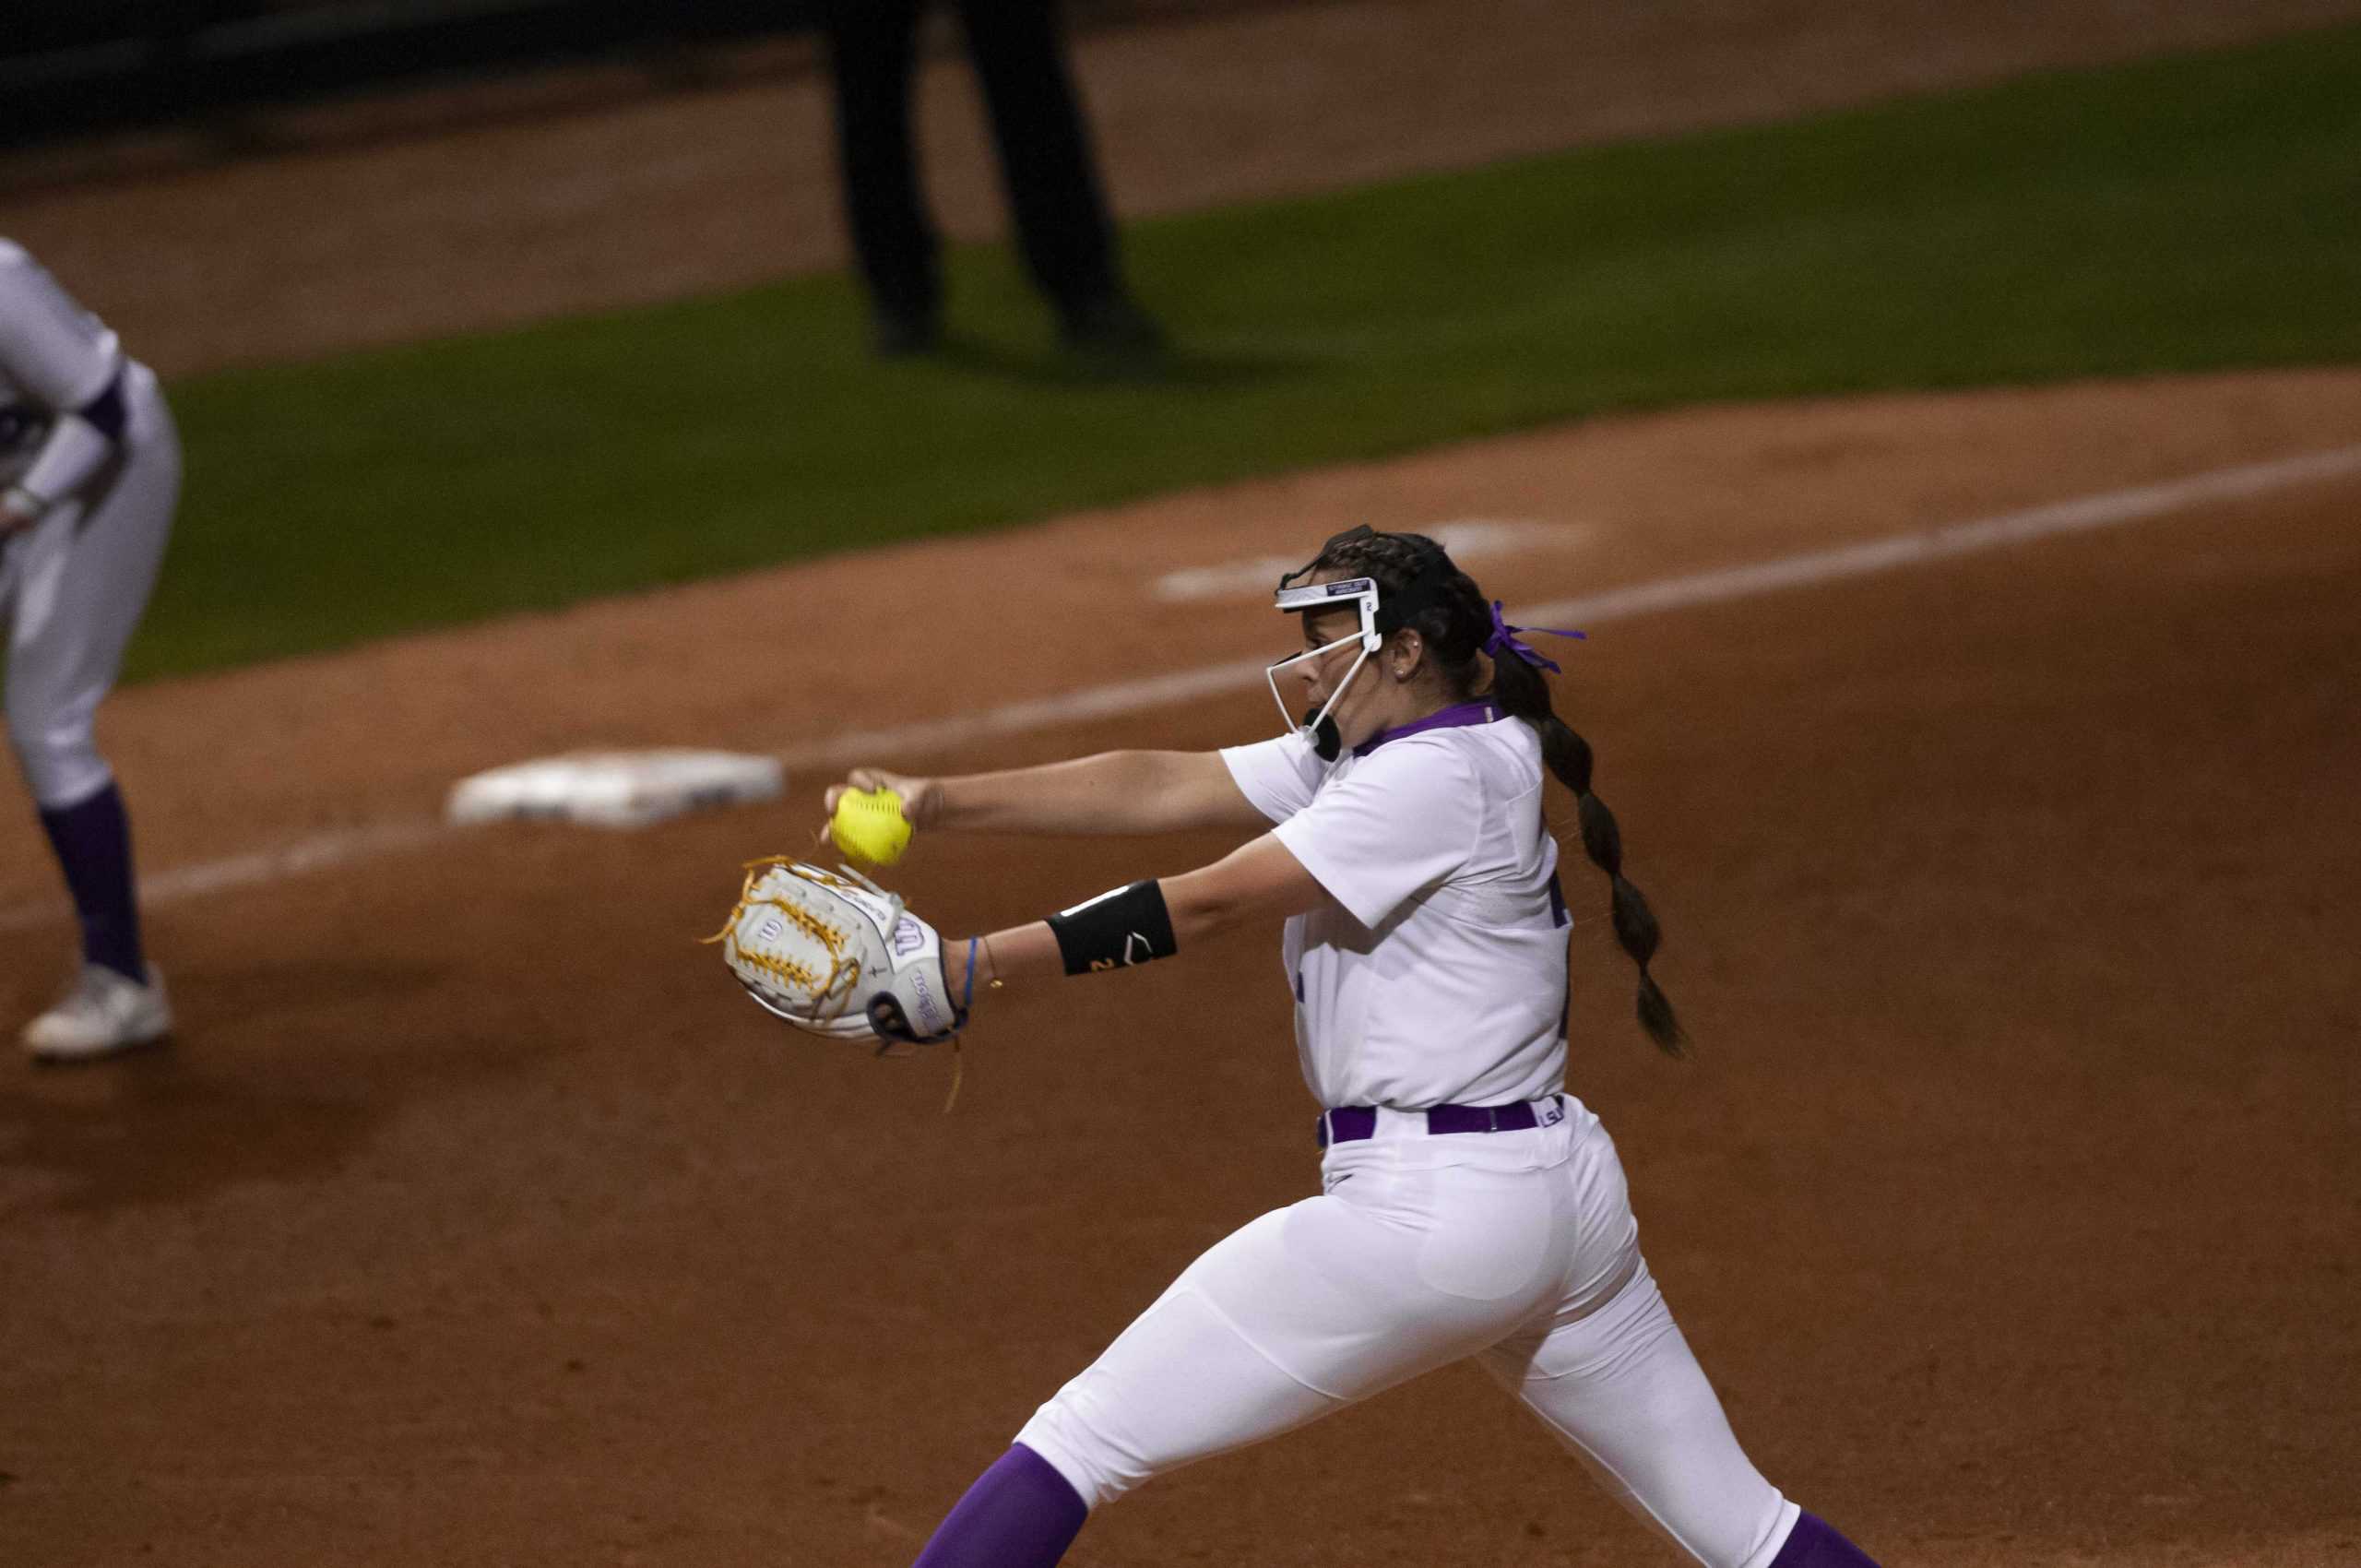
(1455, 621)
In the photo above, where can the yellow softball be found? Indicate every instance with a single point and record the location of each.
(869, 826)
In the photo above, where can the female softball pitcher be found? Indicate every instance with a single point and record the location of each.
(1470, 1207)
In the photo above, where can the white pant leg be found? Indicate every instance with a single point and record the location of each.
(77, 586)
(1407, 1263)
(1181, 1383)
(1621, 1389)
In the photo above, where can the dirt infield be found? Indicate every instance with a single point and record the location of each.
(2010, 1201)
(475, 1219)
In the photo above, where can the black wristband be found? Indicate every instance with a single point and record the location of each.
(1116, 930)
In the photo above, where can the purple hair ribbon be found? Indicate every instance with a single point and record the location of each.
(1503, 638)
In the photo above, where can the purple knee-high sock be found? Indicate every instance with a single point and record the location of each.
(93, 845)
(1020, 1513)
(1811, 1544)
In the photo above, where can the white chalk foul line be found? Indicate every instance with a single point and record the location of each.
(1893, 552)
(316, 852)
(1925, 546)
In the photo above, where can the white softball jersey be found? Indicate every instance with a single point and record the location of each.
(1438, 976)
(73, 586)
(1438, 980)
(55, 356)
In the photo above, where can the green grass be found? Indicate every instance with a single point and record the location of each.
(2176, 215)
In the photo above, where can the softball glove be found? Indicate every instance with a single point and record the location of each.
(833, 952)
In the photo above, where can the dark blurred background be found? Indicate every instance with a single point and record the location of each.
(73, 68)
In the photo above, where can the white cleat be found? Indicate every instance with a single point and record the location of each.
(103, 1014)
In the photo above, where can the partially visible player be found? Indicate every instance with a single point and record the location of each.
(91, 466)
(1471, 1207)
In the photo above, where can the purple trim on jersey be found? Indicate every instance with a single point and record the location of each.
(1458, 716)
(21, 422)
(106, 412)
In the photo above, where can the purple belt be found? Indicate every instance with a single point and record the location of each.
(1348, 1122)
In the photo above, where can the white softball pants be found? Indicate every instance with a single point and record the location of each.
(72, 589)
(1516, 1247)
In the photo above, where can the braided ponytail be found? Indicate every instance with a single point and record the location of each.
(1455, 629)
(1525, 694)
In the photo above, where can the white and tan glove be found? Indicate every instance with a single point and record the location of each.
(833, 952)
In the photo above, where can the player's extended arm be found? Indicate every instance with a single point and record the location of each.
(1112, 792)
(65, 365)
(1261, 879)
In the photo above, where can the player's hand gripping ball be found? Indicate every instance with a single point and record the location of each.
(839, 956)
(869, 826)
